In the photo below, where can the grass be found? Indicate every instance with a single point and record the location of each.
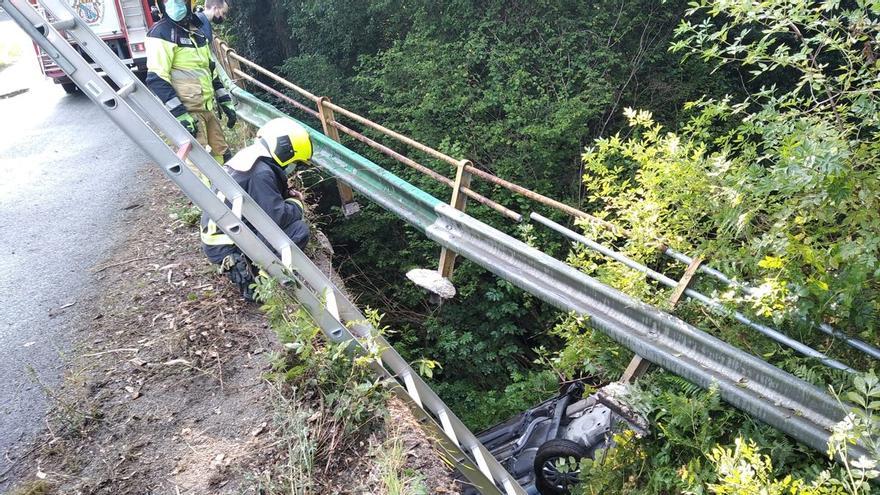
(294, 476)
(239, 136)
(38, 487)
(74, 415)
(396, 478)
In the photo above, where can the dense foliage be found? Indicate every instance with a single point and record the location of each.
(779, 187)
(518, 88)
(757, 148)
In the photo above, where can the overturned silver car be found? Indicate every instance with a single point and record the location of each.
(541, 447)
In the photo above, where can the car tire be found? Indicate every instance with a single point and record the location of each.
(548, 479)
(70, 88)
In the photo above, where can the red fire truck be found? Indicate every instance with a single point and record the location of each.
(122, 24)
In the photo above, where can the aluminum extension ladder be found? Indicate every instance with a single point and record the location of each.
(142, 116)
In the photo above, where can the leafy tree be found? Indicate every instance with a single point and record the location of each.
(778, 188)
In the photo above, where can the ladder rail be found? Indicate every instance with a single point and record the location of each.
(311, 287)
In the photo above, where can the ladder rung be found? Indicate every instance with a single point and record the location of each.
(64, 24)
(447, 426)
(287, 257)
(183, 150)
(127, 89)
(331, 303)
(481, 461)
(412, 390)
(237, 204)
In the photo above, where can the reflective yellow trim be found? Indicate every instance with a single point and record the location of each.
(297, 203)
(213, 236)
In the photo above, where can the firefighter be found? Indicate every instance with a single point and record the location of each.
(261, 170)
(182, 74)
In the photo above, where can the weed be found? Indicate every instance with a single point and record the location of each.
(396, 478)
(38, 487)
(330, 367)
(860, 426)
(186, 212)
(74, 416)
(348, 401)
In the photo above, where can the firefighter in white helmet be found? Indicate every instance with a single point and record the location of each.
(261, 170)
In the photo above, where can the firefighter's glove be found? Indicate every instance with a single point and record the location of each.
(189, 123)
(228, 108)
(241, 273)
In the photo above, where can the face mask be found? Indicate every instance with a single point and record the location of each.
(176, 9)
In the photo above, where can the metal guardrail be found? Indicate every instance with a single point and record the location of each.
(764, 391)
(702, 298)
(325, 111)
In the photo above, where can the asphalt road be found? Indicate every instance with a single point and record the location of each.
(65, 177)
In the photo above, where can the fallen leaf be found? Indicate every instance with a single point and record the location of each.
(259, 429)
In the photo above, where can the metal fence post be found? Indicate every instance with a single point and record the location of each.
(638, 365)
(459, 202)
(346, 195)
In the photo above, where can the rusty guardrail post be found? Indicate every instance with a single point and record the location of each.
(459, 202)
(346, 195)
(234, 66)
(229, 64)
(639, 365)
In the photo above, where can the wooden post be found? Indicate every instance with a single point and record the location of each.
(459, 202)
(639, 365)
(234, 67)
(346, 195)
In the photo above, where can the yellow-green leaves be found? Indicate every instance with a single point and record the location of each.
(772, 263)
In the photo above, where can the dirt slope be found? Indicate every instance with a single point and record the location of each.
(167, 392)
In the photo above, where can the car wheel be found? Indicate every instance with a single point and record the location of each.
(70, 88)
(557, 466)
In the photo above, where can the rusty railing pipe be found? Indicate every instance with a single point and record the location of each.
(274, 76)
(516, 217)
(508, 213)
(278, 94)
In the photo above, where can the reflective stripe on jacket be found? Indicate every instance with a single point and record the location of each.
(209, 231)
(179, 67)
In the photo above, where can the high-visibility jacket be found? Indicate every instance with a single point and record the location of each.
(179, 66)
(266, 183)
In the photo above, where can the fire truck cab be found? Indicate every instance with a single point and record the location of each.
(122, 24)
